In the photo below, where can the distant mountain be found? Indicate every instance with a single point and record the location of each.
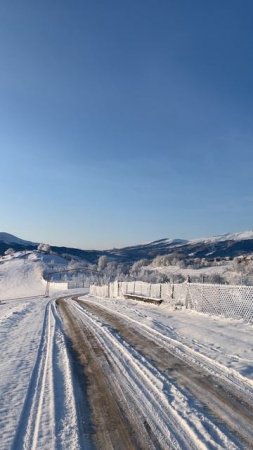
(147, 251)
(217, 248)
(227, 245)
(11, 239)
(243, 236)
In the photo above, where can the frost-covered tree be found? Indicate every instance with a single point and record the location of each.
(102, 262)
(215, 278)
(44, 248)
(182, 264)
(138, 265)
(162, 260)
(9, 251)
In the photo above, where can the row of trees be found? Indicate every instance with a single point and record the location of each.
(105, 270)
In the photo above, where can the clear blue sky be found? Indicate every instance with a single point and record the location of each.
(125, 121)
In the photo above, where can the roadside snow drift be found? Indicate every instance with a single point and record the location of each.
(20, 278)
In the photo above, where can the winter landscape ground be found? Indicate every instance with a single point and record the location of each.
(82, 372)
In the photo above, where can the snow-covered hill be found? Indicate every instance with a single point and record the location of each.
(19, 278)
(11, 239)
(226, 245)
(21, 274)
(245, 235)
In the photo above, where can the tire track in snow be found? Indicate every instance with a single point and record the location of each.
(27, 432)
(147, 387)
(221, 403)
(237, 382)
(49, 421)
(71, 417)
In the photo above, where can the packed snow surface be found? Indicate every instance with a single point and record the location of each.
(20, 329)
(226, 341)
(37, 404)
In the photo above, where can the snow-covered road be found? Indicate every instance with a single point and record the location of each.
(83, 373)
(203, 397)
(226, 341)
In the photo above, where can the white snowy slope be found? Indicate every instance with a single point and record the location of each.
(21, 274)
(19, 278)
(166, 241)
(245, 235)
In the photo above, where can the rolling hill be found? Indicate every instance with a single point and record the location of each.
(227, 245)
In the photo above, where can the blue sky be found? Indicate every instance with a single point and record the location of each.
(124, 122)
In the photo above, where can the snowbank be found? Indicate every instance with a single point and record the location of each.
(20, 278)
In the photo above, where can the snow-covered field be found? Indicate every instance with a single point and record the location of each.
(79, 372)
(224, 270)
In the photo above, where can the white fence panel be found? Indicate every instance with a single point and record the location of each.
(123, 288)
(143, 289)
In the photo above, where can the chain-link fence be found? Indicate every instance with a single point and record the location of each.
(221, 300)
(217, 299)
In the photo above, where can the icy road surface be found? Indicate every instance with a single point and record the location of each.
(84, 373)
